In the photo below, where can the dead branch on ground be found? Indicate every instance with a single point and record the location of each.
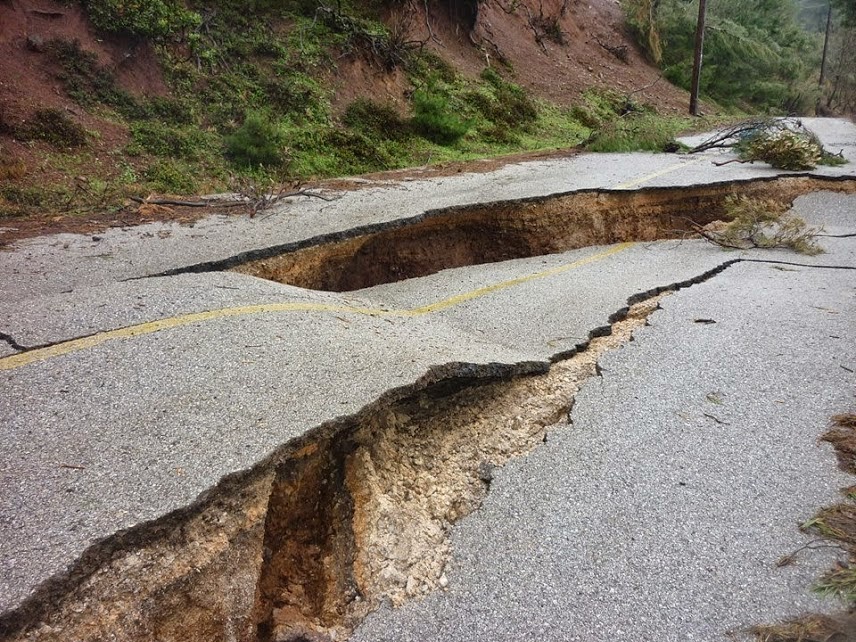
(619, 51)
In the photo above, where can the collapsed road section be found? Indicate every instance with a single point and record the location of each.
(490, 232)
(305, 544)
(302, 545)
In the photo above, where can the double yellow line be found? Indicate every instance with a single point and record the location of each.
(150, 327)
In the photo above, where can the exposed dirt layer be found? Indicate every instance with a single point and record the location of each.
(486, 233)
(304, 545)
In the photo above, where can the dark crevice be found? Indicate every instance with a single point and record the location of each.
(22, 348)
(794, 264)
(10, 340)
(480, 233)
(303, 580)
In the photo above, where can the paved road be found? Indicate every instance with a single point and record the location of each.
(648, 519)
(201, 375)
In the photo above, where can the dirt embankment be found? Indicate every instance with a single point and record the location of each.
(555, 49)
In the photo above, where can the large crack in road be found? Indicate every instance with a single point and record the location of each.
(303, 546)
(358, 510)
(498, 231)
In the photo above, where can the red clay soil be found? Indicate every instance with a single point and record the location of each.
(29, 82)
(503, 35)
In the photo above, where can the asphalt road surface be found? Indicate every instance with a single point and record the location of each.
(645, 520)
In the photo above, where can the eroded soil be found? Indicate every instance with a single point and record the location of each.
(303, 546)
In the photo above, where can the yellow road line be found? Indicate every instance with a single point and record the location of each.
(648, 177)
(83, 343)
(466, 296)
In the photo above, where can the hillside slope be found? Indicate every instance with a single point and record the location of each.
(90, 116)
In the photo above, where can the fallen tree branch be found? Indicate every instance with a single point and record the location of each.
(232, 203)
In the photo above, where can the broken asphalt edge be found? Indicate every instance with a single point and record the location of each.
(439, 379)
(236, 260)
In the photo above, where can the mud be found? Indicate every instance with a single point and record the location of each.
(302, 547)
(486, 233)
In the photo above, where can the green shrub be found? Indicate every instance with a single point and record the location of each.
(143, 18)
(162, 140)
(55, 127)
(171, 177)
(435, 119)
(258, 142)
(376, 119)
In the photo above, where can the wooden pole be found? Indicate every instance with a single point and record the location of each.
(822, 79)
(699, 53)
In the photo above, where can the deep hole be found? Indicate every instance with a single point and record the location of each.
(487, 233)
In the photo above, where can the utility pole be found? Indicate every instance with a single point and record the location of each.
(823, 60)
(699, 53)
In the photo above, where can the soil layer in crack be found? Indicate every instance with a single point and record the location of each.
(302, 547)
(491, 232)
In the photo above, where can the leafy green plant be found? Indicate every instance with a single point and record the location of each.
(435, 119)
(257, 142)
(142, 18)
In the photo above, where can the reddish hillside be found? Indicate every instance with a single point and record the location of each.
(554, 49)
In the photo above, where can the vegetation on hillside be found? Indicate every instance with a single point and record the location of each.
(248, 100)
(250, 96)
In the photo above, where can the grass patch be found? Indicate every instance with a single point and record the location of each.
(638, 132)
(376, 119)
(170, 176)
(435, 119)
(165, 141)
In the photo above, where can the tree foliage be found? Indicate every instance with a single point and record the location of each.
(756, 52)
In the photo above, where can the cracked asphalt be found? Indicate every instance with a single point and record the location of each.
(661, 511)
(118, 433)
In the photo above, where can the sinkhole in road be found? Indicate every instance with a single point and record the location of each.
(354, 513)
(491, 232)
